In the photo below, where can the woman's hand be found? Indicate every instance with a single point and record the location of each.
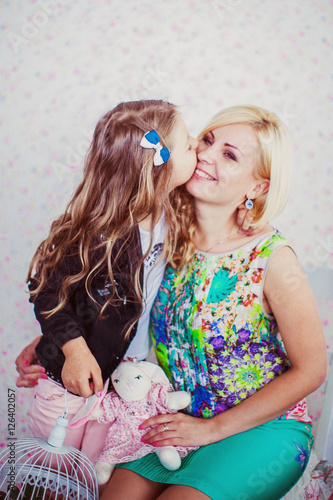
(28, 367)
(182, 430)
(81, 373)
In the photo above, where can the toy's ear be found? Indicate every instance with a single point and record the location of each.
(91, 405)
(153, 371)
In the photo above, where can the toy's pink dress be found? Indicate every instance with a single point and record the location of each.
(123, 443)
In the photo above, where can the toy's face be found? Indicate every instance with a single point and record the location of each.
(130, 382)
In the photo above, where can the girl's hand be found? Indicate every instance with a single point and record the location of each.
(182, 430)
(81, 373)
(28, 367)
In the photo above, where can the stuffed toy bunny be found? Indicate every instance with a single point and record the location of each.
(141, 390)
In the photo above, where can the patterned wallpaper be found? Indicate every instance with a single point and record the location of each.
(65, 62)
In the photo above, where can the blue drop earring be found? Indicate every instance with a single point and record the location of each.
(249, 204)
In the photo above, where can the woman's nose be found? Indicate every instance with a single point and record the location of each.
(206, 155)
(195, 143)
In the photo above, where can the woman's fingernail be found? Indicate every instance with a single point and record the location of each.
(42, 370)
(25, 362)
(45, 376)
(155, 444)
(143, 439)
(35, 382)
(140, 427)
(99, 394)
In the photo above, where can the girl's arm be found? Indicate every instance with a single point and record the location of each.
(81, 373)
(79, 361)
(290, 299)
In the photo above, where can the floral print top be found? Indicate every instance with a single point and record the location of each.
(211, 334)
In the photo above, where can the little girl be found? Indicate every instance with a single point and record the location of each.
(93, 279)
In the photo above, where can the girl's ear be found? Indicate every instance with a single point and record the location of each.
(261, 188)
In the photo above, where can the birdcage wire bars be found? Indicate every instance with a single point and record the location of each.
(45, 472)
(36, 469)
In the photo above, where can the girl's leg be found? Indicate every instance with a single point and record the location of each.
(47, 402)
(125, 484)
(93, 439)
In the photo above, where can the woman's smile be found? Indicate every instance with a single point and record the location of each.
(202, 174)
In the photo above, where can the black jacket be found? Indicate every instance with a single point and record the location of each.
(81, 316)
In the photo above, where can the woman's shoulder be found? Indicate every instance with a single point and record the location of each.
(269, 239)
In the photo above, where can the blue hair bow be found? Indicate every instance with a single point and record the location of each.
(151, 140)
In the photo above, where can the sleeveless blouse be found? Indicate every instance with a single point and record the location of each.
(211, 334)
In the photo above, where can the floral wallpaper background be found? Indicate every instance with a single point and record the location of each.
(65, 62)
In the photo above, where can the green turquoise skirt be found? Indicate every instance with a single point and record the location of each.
(263, 463)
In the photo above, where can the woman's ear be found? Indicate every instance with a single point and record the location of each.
(261, 188)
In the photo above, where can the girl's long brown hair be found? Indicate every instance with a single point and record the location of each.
(120, 188)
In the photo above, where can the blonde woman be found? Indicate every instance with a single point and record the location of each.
(234, 324)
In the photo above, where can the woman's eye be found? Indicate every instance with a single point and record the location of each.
(207, 141)
(230, 155)
(116, 381)
(138, 377)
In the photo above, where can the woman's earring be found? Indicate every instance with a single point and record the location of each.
(249, 204)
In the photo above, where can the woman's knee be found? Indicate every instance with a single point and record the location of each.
(181, 492)
(125, 484)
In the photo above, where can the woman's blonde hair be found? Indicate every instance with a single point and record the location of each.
(275, 161)
(120, 188)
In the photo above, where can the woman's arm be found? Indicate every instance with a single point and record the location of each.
(290, 299)
(28, 367)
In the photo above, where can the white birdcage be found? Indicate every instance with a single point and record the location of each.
(36, 469)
